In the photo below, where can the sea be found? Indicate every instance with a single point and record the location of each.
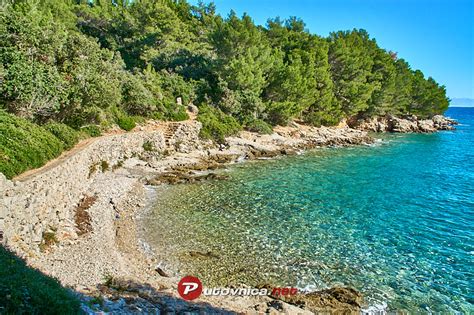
(394, 220)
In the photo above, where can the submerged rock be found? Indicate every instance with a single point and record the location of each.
(198, 254)
(181, 177)
(334, 300)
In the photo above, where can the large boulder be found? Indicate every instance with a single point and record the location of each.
(193, 109)
(402, 125)
(426, 125)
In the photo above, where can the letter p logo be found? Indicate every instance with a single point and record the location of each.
(189, 288)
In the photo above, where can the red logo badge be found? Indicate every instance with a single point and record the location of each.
(190, 288)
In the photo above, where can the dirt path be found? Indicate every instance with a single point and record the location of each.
(167, 127)
(57, 161)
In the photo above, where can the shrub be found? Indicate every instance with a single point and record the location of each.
(104, 166)
(126, 122)
(24, 290)
(24, 145)
(92, 130)
(92, 170)
(148, 146)
(68, 136)
(137, 99)
(258, 125)
(179, 114)
(49, 239)
(118, 165)
(216, 125)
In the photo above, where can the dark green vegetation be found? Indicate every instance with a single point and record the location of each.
(25, 145)
(24, 290)
(90, 64)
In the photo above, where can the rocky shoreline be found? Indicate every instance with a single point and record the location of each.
(406, 124)
(84, 233)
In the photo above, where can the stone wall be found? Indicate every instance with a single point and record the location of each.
(46, 200)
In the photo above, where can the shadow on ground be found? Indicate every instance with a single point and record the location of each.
(26, 290)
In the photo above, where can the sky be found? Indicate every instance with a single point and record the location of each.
(435, 36)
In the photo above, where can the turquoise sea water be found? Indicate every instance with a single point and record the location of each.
(394, 220)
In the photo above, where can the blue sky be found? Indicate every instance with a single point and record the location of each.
(435, 36)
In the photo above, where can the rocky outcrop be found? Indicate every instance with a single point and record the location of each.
(406, 124)
(443, 123)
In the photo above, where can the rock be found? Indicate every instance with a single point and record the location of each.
(337, 299)
(411, 118)
(443, 123)
(198, 254)
(426, 125)
(161, 272)
(375, 124)
(409, 123)
(193, 109)
(402, 125)
(4, 183)
(183, 175)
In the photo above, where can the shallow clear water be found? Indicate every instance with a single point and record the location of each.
(394, 220)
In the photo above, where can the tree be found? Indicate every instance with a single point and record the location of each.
(244, 61)
(351, 66)
(81, 62)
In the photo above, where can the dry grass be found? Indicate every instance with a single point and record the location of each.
(82, 218)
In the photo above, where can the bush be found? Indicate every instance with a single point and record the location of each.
(104, 166)
(92, 130)
(126, 122)
(137, 99)
(179, 114)
(24, 290)
(216, 125)
(258, 125)
(148, 146)
(68, 136)
(24, 145)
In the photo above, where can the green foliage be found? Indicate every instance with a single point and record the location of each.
(24, 145)
(92, 130)
(215, 124)
(126, 122)
(63, 61)
(49, 239)
(137, 98)
(351, 66)
(104, 166)
(24, 290)
(258, 125)
(148, 146)
(68, 136)
(178, 114)
(280, 113)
